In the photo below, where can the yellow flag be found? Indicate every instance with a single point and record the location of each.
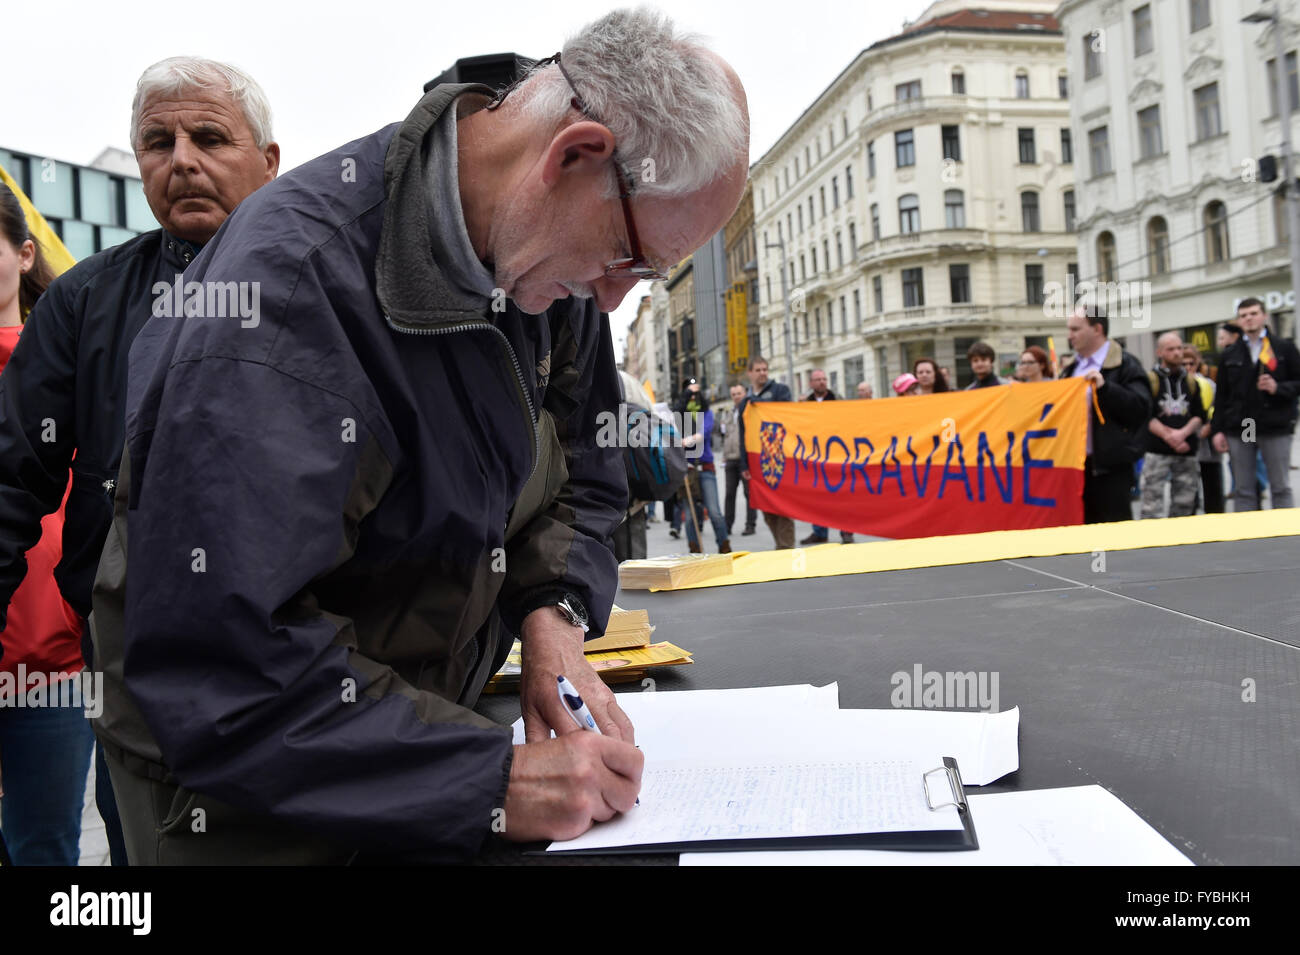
(1266, 356)
(56, 254)
(649, 389)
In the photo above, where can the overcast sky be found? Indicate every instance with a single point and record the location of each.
(338, 70)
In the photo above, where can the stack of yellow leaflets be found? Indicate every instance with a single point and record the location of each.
(626, 628)
(668, 573)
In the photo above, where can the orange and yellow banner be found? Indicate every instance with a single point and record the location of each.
(998, 458)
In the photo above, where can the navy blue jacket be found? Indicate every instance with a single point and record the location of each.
(64, 393)
(335, 514)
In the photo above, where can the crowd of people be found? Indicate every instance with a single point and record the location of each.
(1161, 437)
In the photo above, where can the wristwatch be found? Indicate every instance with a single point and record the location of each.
(574, 611)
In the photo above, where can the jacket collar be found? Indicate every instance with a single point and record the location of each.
(412, 289)
(179, 252)
(1114, 356)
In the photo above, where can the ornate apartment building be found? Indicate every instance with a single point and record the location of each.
(1173, 103)
(924, 201)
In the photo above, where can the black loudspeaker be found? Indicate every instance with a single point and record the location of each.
(1267, 168)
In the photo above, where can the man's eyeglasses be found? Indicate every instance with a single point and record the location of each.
(637, 266)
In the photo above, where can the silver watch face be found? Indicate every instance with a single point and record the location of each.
(573, 609)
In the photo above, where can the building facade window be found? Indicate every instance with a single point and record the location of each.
(848, 182)
(1063, 86)
(909, 214)
(904, 92)
(1199, 13)
(1067, 146)
(857, 308)
(1029, 218)
(904, 149)
(822, 192)
(913, 288)
(1093, 44)
(1068, 202)
(1025, 136)
(853, 242)
(839, 250)
(1158, 246)
(1106, 262)
(1099, 150)
(835, 192)
(959, 284)
(1034, 284)
(952, 142)
(1206, 100)
(871, 159)
(1022, 85)
(878, 293)
(958, 83)
(1216, 232)
(1292, 84)
(954, 209)
(799, 211)
(814, 260)
(1143, 42)
(875, 222)
(1151, 143)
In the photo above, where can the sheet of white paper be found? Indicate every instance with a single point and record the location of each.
(667, 722)
(690, 801)
(985, 745)
(1080, 825)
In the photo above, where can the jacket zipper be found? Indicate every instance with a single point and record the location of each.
(514, 360)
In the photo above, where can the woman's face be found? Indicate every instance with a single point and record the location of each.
(925, 375)
(13, 262)
(1030, 369)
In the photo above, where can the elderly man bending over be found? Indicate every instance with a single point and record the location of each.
(335, 519)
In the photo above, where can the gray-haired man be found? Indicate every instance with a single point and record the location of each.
(403, 472)
(202, 136)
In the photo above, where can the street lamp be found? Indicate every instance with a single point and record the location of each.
(1284, 120)
(785, 297)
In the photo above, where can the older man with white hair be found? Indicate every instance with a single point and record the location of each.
(202, 136)
(347, 510)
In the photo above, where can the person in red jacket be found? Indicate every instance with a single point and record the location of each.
(44, 747)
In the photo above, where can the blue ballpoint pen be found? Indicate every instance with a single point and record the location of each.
(577, 709)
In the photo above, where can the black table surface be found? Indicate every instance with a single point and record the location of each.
(1170, 676)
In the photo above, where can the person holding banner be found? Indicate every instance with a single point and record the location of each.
(981, 357)
(821, 392)
(764, 389)
(1033, 366)
(927, 373)
(1117, 421)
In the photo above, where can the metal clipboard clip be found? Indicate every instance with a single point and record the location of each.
(953, 775)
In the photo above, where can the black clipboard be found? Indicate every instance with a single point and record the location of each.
(923, 840)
